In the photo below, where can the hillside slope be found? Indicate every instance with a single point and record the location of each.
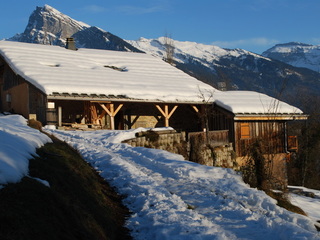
(77, 205)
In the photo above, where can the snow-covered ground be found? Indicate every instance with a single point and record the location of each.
(175, 199)
(169, 198)
(309, 204)
(18, 143)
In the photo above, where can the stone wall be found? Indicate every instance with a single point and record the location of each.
(170, 141)
(275, 173)
(212, 149)
(219, 153)
(218, 156)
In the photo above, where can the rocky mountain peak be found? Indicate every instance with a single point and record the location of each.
(49, 26)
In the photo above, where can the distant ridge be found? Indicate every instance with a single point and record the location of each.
(296, 54)
(237, 69)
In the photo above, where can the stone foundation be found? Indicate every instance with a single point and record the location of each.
(170, 141)
(218, 153)
(277, 171)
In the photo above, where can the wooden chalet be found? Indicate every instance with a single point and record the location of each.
(124, 90)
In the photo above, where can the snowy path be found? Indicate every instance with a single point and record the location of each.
(175, 199)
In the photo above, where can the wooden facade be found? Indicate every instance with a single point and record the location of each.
(270, 133)
(19, 96)
(243, 131)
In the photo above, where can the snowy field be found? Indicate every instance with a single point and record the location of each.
(169, 198)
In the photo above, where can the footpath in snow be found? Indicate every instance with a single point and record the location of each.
(171, 198)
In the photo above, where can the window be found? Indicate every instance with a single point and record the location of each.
(245, 130)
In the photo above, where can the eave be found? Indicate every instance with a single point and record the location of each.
(270, 117)
(111, 98)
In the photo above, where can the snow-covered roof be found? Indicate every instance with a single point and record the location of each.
(249, 102)
(54, 69)
(134, 75)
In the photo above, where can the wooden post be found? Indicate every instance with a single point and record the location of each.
(59, 116)
(111, 112)
(166, 114)
(201, 114)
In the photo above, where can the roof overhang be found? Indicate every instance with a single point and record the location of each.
(111, 98)
(270, 117)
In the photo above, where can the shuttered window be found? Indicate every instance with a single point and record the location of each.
(245, 130)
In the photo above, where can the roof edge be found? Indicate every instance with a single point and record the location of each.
(105, 98)
(270, 117)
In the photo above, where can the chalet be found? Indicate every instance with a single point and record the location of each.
(124, 90)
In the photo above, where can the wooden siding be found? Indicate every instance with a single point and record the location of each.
(25, 98)
(222, 120)
(271, 133)
(19, 100)
(215, 137)
(37, 103)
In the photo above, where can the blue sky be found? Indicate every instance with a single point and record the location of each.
(253, 25)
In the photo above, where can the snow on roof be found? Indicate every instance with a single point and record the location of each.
(248, 102)
(54, 69)
(134, 75)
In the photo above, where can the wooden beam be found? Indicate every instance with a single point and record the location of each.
(111, 112)
(135, 120)
(166, 114)
(161, 111)
(105, 109)
(195, 108)
(172, 111)
(118, 109)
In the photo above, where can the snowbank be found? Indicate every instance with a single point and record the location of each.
(18, 143)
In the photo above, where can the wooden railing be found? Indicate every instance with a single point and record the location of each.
(215, 137)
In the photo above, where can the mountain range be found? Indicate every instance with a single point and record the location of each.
(285, 71)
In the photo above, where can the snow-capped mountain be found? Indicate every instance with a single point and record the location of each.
(296, 54)
(226, 69)
(234, 68)
(49, 26)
